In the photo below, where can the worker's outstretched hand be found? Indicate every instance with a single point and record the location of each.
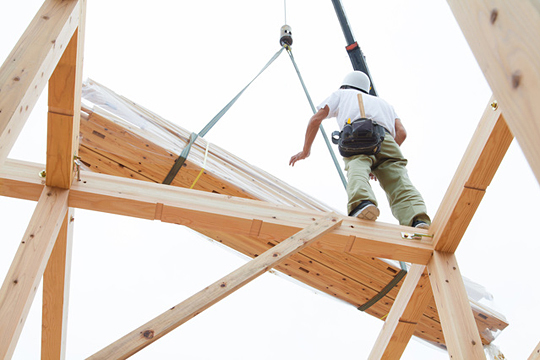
(300, 156)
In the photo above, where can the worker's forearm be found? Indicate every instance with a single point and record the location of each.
(311, 133)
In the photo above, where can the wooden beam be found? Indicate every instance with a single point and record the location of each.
(56, 294)
(410, 304)
(536, 353)
(474, 174)
(207, 211)
(30, 64)
(459, 328)
(186, 310)
(64, 100)
(28, 266)
(503, 36)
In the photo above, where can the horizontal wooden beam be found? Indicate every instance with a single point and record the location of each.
(474, 174)
(186, 310)
(30, 64)
(399, 326)
(503, 36)
(202, 210)
(28, 266)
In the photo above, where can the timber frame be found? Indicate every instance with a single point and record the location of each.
(503, 38)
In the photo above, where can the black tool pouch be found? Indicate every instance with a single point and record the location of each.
(362, 136)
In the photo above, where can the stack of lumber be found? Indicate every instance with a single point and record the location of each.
(121, 138)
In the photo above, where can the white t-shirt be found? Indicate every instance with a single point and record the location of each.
(343, 104)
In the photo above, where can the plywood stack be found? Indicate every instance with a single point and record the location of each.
(119, 137)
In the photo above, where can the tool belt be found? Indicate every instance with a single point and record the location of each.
(362, 136)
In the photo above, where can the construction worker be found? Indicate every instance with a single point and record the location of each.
(388, 166)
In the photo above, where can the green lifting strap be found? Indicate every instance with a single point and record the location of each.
(386, 289)
(332, 154)
(185, 152)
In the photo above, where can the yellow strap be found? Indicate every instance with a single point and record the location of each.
(204, 165)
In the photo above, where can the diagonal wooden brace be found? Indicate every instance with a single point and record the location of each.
(28, 266)
(405, 314)
(181, 313)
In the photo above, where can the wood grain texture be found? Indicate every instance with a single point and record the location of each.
(56, 294)
(30, 64)
(473, 175)
(28, 266)
(503, 36)
(457, 321)
(64, 102)
(405, 314)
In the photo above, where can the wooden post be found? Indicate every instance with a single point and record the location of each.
(459, 328)
(503, 36)
(179, 314)
(56, 294)
(65, 87)
(28, 266)
(405, 314)
(30, 64)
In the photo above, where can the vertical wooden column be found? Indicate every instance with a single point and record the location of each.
(56, 293)
(405, 314)
(28, 266)
(64, 102)
(457, 320)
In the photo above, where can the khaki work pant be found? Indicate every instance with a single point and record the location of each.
(389, 166)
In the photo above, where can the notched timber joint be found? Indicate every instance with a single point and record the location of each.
(159, 211)
(256, 226)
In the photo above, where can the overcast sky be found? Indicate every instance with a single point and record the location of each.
(185, 61)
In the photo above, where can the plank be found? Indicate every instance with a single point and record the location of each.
(30, 64)
(64, 102)
(457, 321)
(186, 310)
(28, 266)
(503, 36)
(56, 294)
(144, 130)
(405, 314)
(108, 137)
(473, 175)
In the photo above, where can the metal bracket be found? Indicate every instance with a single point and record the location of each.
(413, 236)
(77, 162)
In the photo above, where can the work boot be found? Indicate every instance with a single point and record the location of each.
(366, 210)
(420, 224)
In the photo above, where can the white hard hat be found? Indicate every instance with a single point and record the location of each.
(357, 79)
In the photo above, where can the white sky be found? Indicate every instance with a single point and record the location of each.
(185, 61)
